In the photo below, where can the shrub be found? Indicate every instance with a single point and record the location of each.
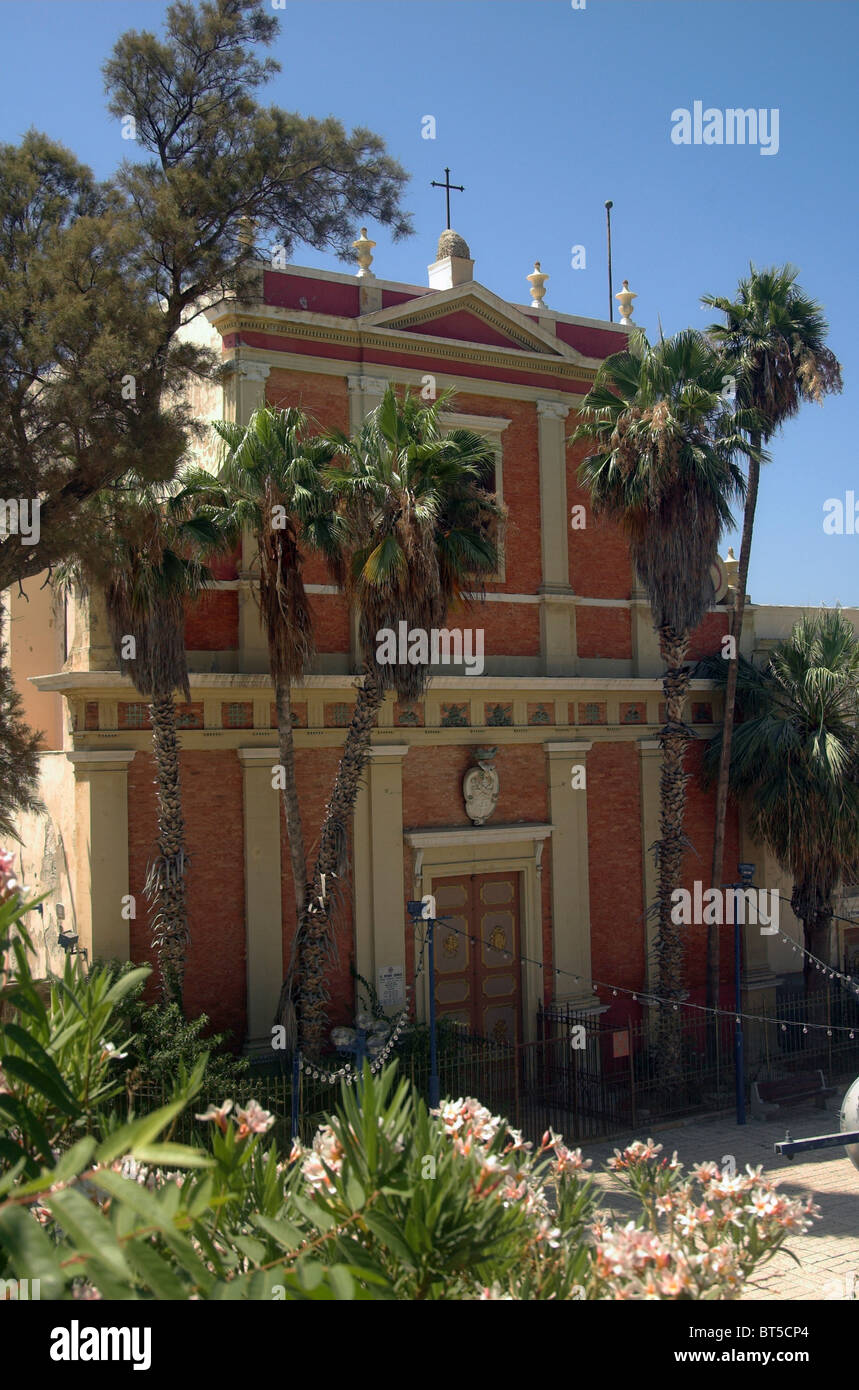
(391, 1201)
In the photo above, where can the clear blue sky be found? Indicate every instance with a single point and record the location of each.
(544, 111)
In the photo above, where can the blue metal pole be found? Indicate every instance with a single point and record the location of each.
(434, 1088)
(739, 1060)
(296, 1081)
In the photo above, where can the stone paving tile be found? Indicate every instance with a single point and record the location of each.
(829, 1253)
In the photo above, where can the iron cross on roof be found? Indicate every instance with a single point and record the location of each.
(447, 186)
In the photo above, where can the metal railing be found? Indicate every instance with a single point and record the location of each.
(582, 1076)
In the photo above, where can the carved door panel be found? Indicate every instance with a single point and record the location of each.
(476, 955)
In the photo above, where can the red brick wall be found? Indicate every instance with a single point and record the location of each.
(212, 623)
(706, 639)
(599, 557)
(213, 805)
(603, 632)
(614, 839)
(509, 629)
(330, 615)
(432, 785)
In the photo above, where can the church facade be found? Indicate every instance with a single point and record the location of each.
(524, 798)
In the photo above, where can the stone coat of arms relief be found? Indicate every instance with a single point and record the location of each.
(480, 786)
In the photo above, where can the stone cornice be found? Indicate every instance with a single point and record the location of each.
(476, 835)
(67, 682)
(344, 333)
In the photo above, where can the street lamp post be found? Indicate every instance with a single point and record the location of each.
(423, 910)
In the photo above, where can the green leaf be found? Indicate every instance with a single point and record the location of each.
(27, 1121)
(137, 1133)
(355, 1194)
(155, 1272)
(388, 1233)
(70, 1165)
(321, 1219)
(341, 1282)
(36, 1053)
(310, 1274)
(174, 1155)
(126, 983)
(53, 1090)
(14, 1154)
(283, 1233)
(31, 1252)
(90, 1231)
(253, 1250)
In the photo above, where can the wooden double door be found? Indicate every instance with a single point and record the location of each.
(477, 969)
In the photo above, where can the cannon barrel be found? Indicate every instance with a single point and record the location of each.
(849, 1120)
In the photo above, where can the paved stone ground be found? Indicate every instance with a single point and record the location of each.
(829, 1252)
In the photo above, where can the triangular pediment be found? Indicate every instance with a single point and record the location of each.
(469, 313)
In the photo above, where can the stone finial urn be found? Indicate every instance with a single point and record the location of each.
(480, 786)
(624, 298)
(537, 280)
(363, 249)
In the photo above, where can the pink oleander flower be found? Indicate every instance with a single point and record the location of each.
(570, 1161)
(634, 1154)
(253, 1120)
(467, 1117)
(326, 1157)
(518, 1143)
(218, 1113)
(9, 884)
(548, 1234)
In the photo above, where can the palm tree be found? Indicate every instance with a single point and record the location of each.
(271, 482)
(774, 348)
(795, 760)
(423, 525)
(662, 464)
(147, 561)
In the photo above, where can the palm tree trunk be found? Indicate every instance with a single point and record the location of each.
(668, 946)
(165, 879)
(736, 630)
(315, 938)
(291, 808)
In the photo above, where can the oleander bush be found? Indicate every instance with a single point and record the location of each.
(161, 1039)
(391, 1201)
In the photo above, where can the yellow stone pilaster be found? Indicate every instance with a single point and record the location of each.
(556, 628)
(101, 882)
(263, 914)
(571, 926)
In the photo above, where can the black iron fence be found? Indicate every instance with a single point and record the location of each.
(586, 1077)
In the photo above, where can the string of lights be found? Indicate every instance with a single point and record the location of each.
(351, 1075)
(820, 965)
(647, 997)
